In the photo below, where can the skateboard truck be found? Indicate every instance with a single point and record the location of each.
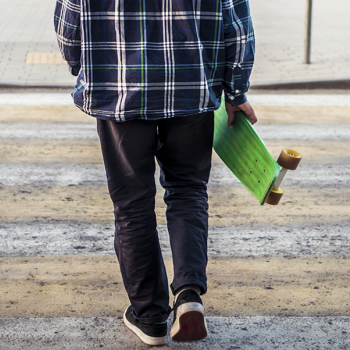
(288, 160)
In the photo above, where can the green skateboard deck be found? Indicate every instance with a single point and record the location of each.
(244, 153)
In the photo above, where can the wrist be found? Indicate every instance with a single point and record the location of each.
(235, 100)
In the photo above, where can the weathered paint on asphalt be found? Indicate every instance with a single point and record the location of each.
(77, 151)
(289, 260)
(91, 285)
(52, 174)
(52, 114)
(61, 99)
(67, 238)
(225, 333)
(53, 131)
(302, 115)
(94, 174)
(82, 131)
(266, 114)
(228, 205)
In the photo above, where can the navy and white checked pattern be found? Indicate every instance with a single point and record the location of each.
(157, 58)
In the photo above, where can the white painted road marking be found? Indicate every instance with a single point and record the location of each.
(225, 333)
(303, 132)
(94, 174)
(70, 238)
(64, 99)
(52, 174)
(42, 99)
(88, 131)
(50, 131)
(305, 175)
(302, 100)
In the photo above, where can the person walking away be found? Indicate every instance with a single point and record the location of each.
(152, 73)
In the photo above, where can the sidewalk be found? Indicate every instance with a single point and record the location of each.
(27, 27)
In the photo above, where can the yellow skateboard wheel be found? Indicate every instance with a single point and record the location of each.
(289, 159)
(275, 196)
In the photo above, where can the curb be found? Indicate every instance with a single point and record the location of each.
(6, 85)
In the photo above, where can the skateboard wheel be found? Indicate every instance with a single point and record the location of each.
(275, 196)
(289, 159)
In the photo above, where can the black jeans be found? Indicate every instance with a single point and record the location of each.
(183, 148)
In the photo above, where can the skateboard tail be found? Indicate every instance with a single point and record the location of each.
(262, 202)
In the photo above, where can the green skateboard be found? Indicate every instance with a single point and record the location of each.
(244, 153)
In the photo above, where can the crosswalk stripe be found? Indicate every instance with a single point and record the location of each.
(50, 131)
(61, 99)
(78, 151)
(225, 333)
(91, 285)
(227, 205)
(65, 238)
(71, 151)
(88, 131)
(266, 114)
(94, 174)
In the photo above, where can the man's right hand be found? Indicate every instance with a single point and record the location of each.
(245, 108)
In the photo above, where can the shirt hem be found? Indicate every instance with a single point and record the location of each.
(118, 118)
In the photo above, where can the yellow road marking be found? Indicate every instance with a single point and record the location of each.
(303, 115)
(75, 151)
(280, 115)
(71, 151)
(43, 114)
(88, 286)
(44, 58)
(227, 205)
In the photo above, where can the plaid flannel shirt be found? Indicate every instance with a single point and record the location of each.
(155, 59)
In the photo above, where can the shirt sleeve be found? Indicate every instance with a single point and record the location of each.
(239, 50)
(67, 27)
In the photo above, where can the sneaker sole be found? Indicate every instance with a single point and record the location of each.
(190, 323)
(144, 337)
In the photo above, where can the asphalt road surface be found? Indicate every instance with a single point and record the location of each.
(279, 277)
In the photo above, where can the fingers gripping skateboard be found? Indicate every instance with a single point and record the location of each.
(288, 160)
